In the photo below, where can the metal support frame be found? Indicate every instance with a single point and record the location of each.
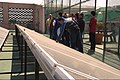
(51, 5)
(36, 70)
(95, 4)
(18, 37)
(104, 47)
(25, 63)
(62, 4)
(119, 45)
(56, 7)
(11, 59)
(21, 52)
(80, 7)
(69, 6)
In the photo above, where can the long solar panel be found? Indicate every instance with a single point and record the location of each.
(61, 62)
(3, 35)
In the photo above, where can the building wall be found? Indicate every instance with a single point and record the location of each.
(38, 15)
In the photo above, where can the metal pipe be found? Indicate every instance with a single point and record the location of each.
(21, 53)
(56, 7)
(36, 70)
(95, 4)
(119, 44)
(80, 7)
(104, 47)
(69, 6)
(25, 63)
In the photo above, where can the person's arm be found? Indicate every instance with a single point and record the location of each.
(61, 32)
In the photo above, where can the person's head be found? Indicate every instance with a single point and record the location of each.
(60, 20)
(65, 15)
(93, 13)
(113, 24)
(77, 15)
(60, 14)
(81, 15)
(50, 15)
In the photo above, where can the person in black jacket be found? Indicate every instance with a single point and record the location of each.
(81, 24)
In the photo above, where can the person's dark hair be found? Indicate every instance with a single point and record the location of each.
(82, 14)
(93, 13)
(60, 14)
(113, 24)
(77, 15)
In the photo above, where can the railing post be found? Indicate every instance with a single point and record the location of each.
(25, 62)
(20, 45)
(104, 47)
(21, 52)
(119, 44)
(36, 70)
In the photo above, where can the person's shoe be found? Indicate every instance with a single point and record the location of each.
(90, 52)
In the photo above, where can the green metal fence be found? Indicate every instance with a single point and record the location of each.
(108, 13)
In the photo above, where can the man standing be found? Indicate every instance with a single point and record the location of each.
(92, 31)
(48, 22)
(81, 24)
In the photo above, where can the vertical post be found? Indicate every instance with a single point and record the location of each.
(56, 7)
(16, 32)
(34, 18)
(104, 47)
(62, 4)
(20, 46)
(36, 70)
(21, 52)
(119, 44)
(95, 4)
(51, 6)
(48, 7)
(25, 63)
(5, 15)
(17, 36)
(44, 3)
(80, 7)
(69, 6)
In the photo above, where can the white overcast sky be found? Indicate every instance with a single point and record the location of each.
(41, 2)
(25, 1)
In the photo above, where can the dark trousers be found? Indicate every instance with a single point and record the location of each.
(92, 40)
(66, 38)
(80, 42)
(76, 40)
(73, 39)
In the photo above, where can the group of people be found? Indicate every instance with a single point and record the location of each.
(68, 29)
